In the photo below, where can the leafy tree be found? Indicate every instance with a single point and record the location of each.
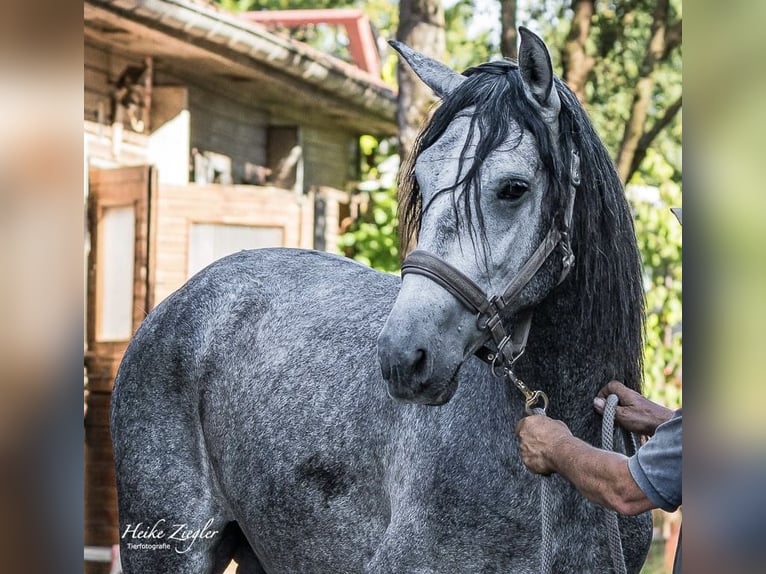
(623, 59)
(466, 47)
(659, 237)
(372, 238)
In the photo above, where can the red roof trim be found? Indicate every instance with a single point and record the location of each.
(362, 46)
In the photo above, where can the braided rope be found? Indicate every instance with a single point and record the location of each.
(546, 543)
(546, 501)
(612, 525)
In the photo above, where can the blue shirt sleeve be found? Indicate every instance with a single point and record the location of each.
(656, 467)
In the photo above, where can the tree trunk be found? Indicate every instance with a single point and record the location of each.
(508, 33)
(421, 27)
(656, 50)
(576, 62)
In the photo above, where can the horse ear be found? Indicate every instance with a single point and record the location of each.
(536, 69)
(435, 75)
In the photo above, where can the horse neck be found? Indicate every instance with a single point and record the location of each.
(563, 359)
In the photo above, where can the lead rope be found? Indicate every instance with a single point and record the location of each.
(546, 519)
(546, 502)
(612, 526)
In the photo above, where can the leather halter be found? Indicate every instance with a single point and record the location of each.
(508, 346)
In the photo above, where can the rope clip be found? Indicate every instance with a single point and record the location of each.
(531, 398)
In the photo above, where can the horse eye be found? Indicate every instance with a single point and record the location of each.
(513, 190)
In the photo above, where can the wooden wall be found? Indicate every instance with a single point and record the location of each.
(102, 66)
(178, 207)
(330, 157)
(218, 124)
(229, 128)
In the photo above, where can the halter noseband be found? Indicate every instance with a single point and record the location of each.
(508, 346)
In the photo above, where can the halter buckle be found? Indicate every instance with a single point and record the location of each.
(514, 355)
(502, 366)
(567, 259)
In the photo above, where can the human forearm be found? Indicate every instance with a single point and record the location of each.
(601, 476)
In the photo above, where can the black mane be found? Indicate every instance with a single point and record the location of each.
(609, 285)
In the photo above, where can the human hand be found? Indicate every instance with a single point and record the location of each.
(539, 437)
(634, 413)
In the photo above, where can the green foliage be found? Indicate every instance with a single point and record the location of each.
(464, 51)
(372, 238)
(659, 237)
(621, 30)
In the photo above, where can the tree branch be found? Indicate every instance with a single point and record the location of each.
(639, 109)
(673, 37)
(646, 140)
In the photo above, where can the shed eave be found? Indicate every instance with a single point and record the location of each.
(359, 100)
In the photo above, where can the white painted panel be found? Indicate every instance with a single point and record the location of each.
(211, 241)
(116, 266)
(169, 150)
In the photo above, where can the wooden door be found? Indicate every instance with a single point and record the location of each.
(119, 273)
(118, 299)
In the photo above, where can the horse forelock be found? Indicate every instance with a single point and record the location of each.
(610, 293)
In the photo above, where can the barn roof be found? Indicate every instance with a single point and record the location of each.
(245, 59)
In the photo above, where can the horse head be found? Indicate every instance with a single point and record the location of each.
(487, 180)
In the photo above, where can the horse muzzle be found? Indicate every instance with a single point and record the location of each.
(419, 366)
(411, 377)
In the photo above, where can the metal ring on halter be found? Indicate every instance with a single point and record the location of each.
(501, 347)
(518, 355)
(479, 325)
(567, 255)
(533, 399)
(498, 363)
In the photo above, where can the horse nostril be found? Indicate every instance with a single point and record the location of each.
(419, 361)
(401, 361)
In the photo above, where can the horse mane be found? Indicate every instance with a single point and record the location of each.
(609, 286)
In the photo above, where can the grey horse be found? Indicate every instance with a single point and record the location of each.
(301, 413)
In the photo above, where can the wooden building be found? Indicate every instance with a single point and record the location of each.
(204, 134)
